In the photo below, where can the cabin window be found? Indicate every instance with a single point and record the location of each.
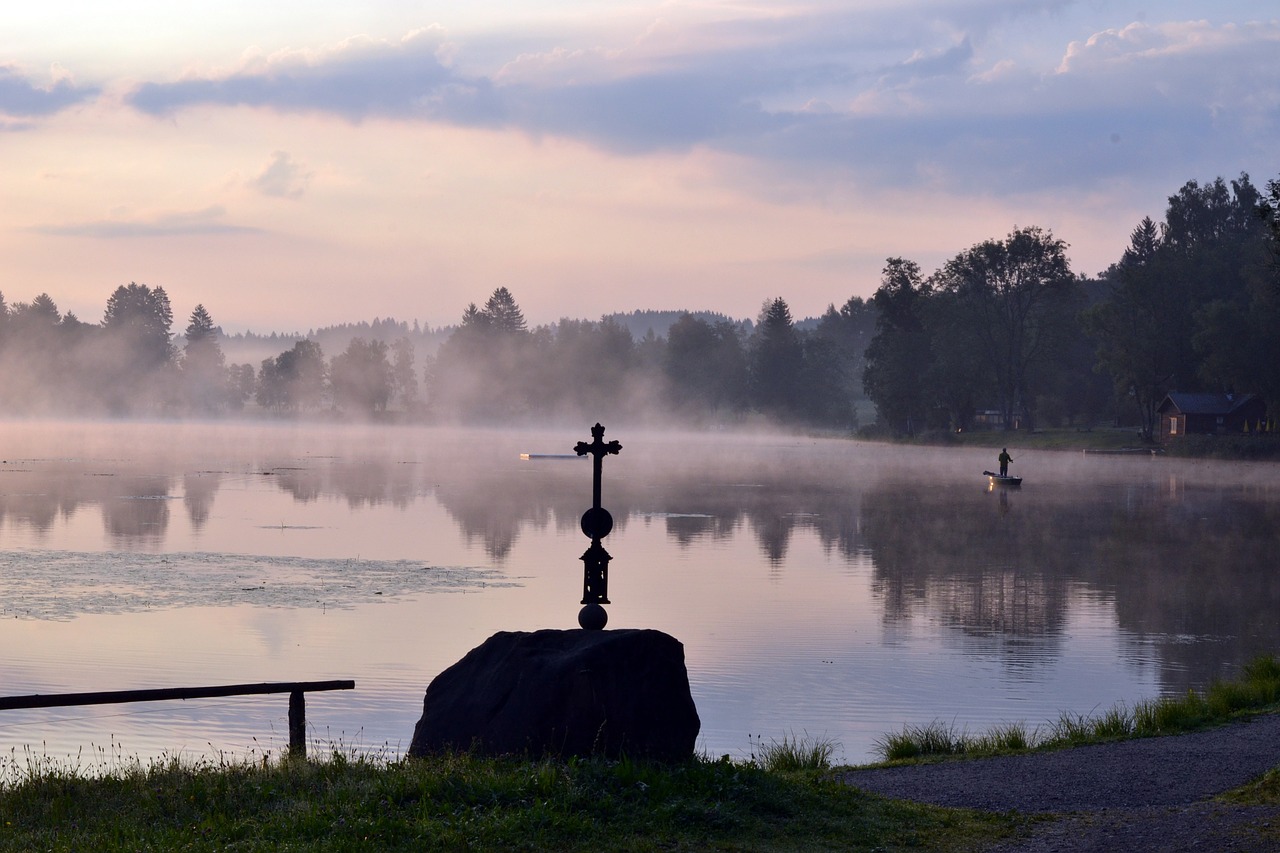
(1173, 426)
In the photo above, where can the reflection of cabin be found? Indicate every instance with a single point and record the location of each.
(1210, 414)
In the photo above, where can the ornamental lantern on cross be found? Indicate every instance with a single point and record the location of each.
(596, 524)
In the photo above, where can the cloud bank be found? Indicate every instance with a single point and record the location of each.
(21, 98)
(174, 224)
(606, 157)
(779, 90)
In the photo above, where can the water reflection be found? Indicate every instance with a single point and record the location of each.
(1185, 566)
(138, 512)
(1179, 565)
(945, 551)
(198, 490)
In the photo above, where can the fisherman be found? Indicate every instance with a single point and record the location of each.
(1004, 459)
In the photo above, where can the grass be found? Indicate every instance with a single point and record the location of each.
(1246, 447)
(464, 802)
(1264, 791)
(1066, 438)
(1257, 688)
(782, 799)
(792, 754)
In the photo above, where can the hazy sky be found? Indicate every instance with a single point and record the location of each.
(291, 165)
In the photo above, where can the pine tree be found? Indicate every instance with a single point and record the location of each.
(504, 314)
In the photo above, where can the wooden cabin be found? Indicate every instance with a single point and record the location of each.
(1210, 414)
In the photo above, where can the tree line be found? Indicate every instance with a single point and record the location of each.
(1004, 333)
(495, 368)
(1193, 304)
(130, 363)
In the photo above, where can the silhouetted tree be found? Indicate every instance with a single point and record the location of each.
(824, 393)
(1140, 328)
(1018, 301)
(705, 366)
(1185, 309)
(483, 371)
(241, 382)
(140, 317)
(37, 365)
(901, 351)
(1268, 210)
(776, 361)
(850, 329)
(404, 376)
(1237, 323)
(504, 315)
(295, 379)
(361, 377)
(204, 374)
(136, 362)
(581, 367)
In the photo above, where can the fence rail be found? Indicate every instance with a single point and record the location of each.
(297, 691)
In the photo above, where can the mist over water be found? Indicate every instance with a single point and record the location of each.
(822, 586)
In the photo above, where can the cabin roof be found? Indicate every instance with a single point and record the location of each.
(1205, 404)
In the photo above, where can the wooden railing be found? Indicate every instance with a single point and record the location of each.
(297, 691)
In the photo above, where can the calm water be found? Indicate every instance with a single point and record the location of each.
(823, 587)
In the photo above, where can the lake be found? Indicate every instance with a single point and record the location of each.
(827, 588)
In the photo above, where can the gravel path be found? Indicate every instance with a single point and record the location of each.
(1134, 795)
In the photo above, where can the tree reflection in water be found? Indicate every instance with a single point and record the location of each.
(1180, 564)
(1186, 563)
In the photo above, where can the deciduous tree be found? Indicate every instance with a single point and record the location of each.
(295, 379)
(705, 367)
(1018, 301)
(361, 376)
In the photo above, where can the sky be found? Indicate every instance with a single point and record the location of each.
(294, 165)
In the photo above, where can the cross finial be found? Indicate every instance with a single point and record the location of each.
(599, 449)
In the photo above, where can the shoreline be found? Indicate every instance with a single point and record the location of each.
(1107, 441)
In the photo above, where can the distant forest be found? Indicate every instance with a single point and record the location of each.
(1005, 332)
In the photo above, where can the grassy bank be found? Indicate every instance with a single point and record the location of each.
(1257, 688)
(467, 803)
(782, 798)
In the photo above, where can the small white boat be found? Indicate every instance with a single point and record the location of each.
(1005, 480)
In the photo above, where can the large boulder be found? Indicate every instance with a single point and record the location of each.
(564, 693)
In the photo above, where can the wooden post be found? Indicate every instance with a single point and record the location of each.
(297, 724)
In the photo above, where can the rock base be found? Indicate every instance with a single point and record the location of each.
(564, 693)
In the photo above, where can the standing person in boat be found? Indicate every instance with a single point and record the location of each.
(1004, 459)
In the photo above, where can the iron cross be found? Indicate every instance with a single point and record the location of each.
(596, 524)
(599, 449)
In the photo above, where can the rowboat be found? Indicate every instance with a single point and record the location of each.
(998, 480)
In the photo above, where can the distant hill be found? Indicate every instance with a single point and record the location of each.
(639, 323)
(252, 348)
